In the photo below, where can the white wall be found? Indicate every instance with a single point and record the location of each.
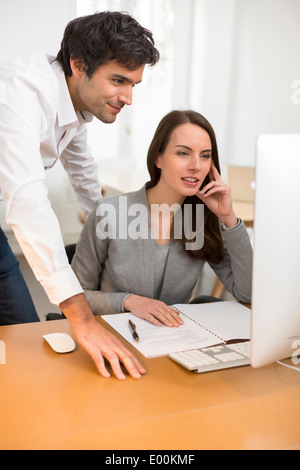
(265, 65)
(33, 26)
(239, 69)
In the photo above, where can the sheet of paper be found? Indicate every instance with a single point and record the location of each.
(160, 341)
(230, 320)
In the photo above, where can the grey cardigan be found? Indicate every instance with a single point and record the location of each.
(111, 268)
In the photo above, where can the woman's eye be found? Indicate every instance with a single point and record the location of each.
(182, 154)
(206, 156)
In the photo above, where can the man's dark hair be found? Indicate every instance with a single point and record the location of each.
(101, 37)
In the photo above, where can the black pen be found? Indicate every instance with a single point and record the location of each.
(133, 331)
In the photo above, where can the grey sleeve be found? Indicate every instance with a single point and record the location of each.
(235, 270)
(90, 256)
(104, 303)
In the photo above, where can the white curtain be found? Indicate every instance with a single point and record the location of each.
(203, 60)
(234, 61)
(237, 62)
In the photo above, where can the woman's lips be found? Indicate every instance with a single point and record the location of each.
(191, 181)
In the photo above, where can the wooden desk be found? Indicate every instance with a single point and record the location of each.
(245, 211)
(51, 401)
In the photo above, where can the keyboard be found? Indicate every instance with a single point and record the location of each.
(219, 357)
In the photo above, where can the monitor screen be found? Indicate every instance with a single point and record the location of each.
(275, 327)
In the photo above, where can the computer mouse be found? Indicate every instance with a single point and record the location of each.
(60, 342)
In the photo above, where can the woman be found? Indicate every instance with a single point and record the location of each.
(141, 264)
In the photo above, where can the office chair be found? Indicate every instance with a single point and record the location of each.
(70, 250)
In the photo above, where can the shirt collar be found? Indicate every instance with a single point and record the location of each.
(66, 114)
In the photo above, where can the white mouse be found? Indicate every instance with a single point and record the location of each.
(60, 342)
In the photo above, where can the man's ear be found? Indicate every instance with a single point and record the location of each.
(77, 67)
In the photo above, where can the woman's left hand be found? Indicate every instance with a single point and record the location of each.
(216, 195)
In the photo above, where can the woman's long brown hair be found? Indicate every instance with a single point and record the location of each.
(213, 248)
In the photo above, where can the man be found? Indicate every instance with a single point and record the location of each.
(44, 109)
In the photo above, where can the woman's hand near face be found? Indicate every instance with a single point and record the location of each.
(216, 195)
(154, 311)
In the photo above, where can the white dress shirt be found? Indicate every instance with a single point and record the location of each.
(38, 125)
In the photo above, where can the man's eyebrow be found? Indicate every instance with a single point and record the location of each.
(124, 78)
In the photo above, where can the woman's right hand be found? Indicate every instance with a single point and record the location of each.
(154, 311)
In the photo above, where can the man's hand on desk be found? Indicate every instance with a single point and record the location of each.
(98, 342)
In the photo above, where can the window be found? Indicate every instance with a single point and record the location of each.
(130, 136)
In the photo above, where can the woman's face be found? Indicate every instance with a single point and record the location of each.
(186, 161)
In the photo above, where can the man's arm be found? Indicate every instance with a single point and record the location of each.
(40, 239)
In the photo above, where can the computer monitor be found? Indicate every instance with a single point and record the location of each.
(275, 331)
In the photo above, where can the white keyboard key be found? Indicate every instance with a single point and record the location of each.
(214, 358)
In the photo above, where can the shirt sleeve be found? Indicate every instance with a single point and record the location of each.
(82, 170)
(22, 183)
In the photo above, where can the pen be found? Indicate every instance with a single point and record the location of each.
(133, 331)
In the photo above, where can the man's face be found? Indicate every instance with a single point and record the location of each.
(106, 92)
